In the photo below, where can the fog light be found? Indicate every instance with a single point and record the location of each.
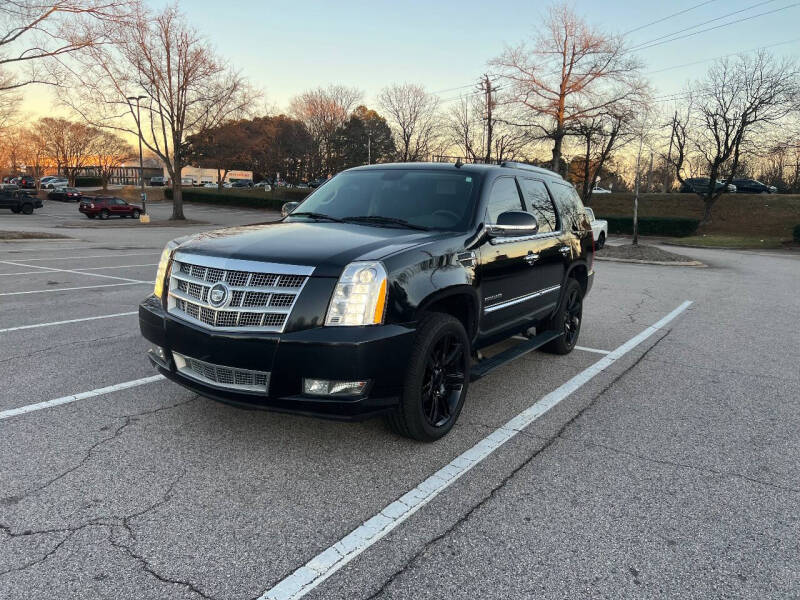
(325, 387)
(159, 354)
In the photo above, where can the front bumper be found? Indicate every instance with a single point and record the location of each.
(376, 353)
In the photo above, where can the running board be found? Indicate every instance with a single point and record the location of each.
(488, 365)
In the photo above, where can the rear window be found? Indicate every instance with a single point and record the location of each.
(569, 205)
(430, 198)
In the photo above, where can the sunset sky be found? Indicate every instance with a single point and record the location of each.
(285, 48)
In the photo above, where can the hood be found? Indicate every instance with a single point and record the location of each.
(328, 247)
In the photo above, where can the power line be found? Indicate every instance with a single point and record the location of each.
(697, 62)
(680, 12)
(769, 12)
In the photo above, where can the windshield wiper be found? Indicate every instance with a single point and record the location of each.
(316, 215)
(386, 220)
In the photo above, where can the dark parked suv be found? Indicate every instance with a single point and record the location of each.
(376, 293)
(17, 201)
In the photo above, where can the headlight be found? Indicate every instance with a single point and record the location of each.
(360, 295)
(163, 264)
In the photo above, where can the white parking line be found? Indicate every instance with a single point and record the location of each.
(69, 289)
(595, 350)
(51, 324)
(30, 260)
(52, 269)
(13, 412)
(584, 348)
(81, 270)
(326, 563)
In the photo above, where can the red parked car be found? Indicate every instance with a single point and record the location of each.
(108, 206)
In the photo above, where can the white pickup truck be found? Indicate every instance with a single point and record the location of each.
(599, 228)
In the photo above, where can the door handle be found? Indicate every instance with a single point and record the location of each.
(531, 258)
(565, 250)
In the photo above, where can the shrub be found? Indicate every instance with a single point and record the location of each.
(796, 233)
(667, 226)
(255, 198)
(88, 181)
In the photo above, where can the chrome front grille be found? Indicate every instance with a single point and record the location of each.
(258, 296)
(242, 380)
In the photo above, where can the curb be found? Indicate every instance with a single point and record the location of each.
(666, 263)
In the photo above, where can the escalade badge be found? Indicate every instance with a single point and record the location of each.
(218, 295)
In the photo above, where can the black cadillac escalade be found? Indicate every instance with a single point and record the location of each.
(376, 293)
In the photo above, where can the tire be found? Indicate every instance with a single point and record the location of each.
(440, 362)
(567, 319)
(601, 241)
(27, 208)
(104, 214)
(135, 214)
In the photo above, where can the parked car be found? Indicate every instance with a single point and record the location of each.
(158, 181)
(700, 185)
(26, 182)
(315, 183)
(264, 184)
(55, 183)
(753, 186)
(599, 228)
(241, 183)
(209, 184)
(108, 206)
(65, 194)
(375, 293)
(599, 190)
(17, 201)
(187, 181)
(43, 181)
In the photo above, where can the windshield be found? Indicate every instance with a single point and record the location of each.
(434, 199)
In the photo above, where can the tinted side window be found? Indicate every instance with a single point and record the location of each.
(504, 197)
(569, 205)
(539, 204)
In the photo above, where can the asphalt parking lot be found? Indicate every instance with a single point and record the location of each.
(666, 465)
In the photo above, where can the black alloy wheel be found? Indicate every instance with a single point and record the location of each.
(436, 380)
(572, 316)
(443, 383)
(567, 319)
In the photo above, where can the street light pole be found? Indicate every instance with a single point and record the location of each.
(141, 159)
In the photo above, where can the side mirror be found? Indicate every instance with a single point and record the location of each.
(288, 207)
(514, 223)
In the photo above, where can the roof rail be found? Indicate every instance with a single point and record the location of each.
(526, 167)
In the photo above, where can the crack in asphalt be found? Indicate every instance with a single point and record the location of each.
(492, 493)
(126, 547)
(127, 420)
(112, 523)
(57, 346)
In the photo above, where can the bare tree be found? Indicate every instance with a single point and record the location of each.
(571, 72)
(412, 114)
(324, 111)
(110, 151)
(737, 100)
(482, 133)
(601, 135)
(34, 31)
(186, 87)
(69, 144)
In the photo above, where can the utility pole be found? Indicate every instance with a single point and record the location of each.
(636, 195)
(650, 175)
(141, 159)
(486, 86)
(669, 154)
